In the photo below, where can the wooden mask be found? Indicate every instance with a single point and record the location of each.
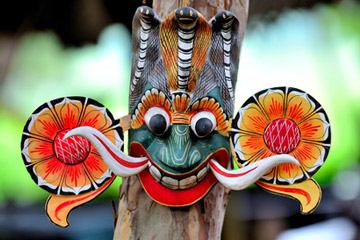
(182, 133)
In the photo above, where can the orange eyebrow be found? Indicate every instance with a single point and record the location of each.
(180, 118)
(151, 98)
(210, 104)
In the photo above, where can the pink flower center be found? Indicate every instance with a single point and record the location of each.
(282, 136)
(72, 150)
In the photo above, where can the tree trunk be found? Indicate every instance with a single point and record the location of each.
(139, 217)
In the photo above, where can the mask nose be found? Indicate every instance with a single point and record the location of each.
(179, 155)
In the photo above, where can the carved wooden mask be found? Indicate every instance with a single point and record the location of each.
(182, 133)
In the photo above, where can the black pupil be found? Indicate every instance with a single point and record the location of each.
(158, 124)
(203, 127)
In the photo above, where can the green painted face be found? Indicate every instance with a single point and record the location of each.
(179, 141)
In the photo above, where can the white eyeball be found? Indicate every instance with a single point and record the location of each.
(157, 120)
(203, 123)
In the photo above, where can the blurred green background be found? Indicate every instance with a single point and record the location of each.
(316, 49)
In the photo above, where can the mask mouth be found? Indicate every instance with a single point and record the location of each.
(234, 179)
(191, 190)
(180, 182)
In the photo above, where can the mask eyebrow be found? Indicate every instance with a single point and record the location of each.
(152, 97)
(212, 105)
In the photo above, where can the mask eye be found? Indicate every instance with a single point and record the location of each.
(157, 120)
(203, 123)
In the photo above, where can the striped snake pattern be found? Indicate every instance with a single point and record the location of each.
(194, 56)
(226, 36)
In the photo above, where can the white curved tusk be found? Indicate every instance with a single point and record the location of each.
(242, 178)
(119, 163)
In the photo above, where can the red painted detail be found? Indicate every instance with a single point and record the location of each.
(120, 160)
(70, 202)
(225, 174)
(282, 136)
(72, 150)
(177, 198)
(286, 190)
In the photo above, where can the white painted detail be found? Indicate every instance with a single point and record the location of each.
(114, 165)
(250, 173)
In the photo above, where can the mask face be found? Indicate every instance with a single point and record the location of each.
(181, 100)
(179, 141)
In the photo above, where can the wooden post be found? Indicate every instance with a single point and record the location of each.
(139, 217)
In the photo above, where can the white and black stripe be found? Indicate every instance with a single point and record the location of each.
(185, 48)
(144, 36)
(226, 36)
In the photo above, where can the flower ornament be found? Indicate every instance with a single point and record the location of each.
(71, 169)
(71, 166)
(282, 121)
(274, 124)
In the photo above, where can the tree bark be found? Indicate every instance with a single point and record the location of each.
(139, 217)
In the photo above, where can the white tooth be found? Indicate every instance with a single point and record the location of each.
(170, 183)
(155, 173)
(187, 182)
(201, 174)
